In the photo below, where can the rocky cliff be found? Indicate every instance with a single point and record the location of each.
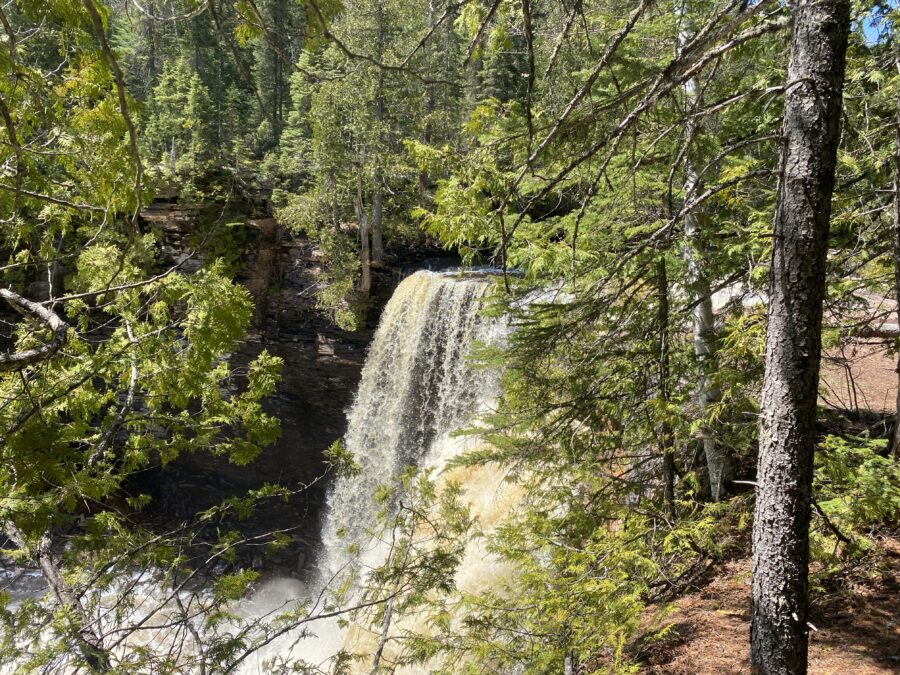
(322, 367)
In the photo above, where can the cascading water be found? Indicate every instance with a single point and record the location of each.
(418, 386)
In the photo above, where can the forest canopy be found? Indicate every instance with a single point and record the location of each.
(684, 207)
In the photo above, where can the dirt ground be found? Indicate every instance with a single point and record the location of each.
(860, 373)
(859, 376)
(858, 626)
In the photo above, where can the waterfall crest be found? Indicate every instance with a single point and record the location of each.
(417, 387)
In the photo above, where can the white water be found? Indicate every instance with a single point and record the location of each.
(418, 386)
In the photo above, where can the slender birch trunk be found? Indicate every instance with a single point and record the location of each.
(699, 294)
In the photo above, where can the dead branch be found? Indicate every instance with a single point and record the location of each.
(831, 526)
(20, 360)
(481, 31)
(357, 56)
(886, 331)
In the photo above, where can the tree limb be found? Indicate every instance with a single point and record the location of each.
(97, 454)
(119, 78)
(20, 360)
(89, 642)
(51, 200)
(886, 331)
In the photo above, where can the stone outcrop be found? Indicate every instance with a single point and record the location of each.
(322, 367)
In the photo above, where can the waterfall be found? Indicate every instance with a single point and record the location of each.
(417, 387)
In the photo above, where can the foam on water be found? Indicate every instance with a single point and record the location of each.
(418, 386)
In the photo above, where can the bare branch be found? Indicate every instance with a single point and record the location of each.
(20, 360)
(123, 287)
(557, 48)
(481, 31)
(452, 7)
(17, 149)
(52, 200)
(680, 69)
(182, 17)
(350, 54)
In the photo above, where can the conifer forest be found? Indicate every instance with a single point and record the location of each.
(515, 337)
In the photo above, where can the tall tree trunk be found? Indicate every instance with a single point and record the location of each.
(151, 55)
(667, 447)
(332, 190)
(247, 76)
(718, 463)
(703, 320)
(365, 281)
(810, 136)
(377, 219)
(377, 191)
(895, 441)
(428, 110)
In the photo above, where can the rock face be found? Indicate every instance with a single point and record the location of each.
(322, 368)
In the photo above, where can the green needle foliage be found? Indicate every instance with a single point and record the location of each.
(616, 161)
(131, 367)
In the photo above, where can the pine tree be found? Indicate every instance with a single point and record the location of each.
(811, 135)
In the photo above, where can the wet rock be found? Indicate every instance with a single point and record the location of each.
(322, 368)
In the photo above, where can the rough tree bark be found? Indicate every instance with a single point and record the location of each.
(811, 132)
(699, 290)
(365, 281)
(377, 189)
(895, 234)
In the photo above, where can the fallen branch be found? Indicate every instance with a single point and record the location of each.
(831, 526)
(886, 331)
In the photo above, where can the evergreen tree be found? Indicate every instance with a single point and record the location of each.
(811, 135)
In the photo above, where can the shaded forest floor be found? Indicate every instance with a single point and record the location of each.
(858, 622)
(857, 615)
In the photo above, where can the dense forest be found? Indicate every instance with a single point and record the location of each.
(677, 228)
